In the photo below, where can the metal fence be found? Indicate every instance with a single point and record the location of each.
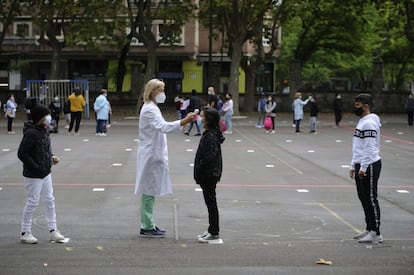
(46, 90)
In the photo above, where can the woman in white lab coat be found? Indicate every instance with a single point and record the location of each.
(153, 178)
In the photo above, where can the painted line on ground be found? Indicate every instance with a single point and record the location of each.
(338, 217)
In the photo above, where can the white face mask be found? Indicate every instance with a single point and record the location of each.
(48, 120)
(161, 97)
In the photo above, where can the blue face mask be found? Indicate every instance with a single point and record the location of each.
(48, 120)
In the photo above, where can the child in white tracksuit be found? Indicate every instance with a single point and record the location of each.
(36, 154)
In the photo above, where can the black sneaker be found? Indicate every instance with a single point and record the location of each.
(160, 230)
(152, 233)
(198, 134)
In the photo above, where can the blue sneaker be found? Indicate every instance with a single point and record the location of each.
(152, 233)
(160, 230)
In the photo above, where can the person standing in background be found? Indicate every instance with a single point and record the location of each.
(55, 108)
(102, 109)
(195, 104)
(270, 110)
(212, 98)
(77, 103)
(337, 107)
(261, 109)
(10, 113)
(313, 115)
(297, 106)
(228, 113)
(409, 106)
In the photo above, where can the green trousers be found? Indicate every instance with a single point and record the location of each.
(147, 208)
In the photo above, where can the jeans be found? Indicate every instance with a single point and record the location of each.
(10, 124)
(147, 209)
(297, 124)
(261, 118)
(39, 189)
(209, 193)
(100, 126)
(191, 127)
(312, 122)
(227, 119)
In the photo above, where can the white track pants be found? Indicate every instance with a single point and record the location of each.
(39, 189)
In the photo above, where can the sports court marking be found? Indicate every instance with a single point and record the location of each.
(98, 189)
(6, 150)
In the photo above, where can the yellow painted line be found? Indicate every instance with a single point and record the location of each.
(342, 220)
(99, 248)
(68, 248)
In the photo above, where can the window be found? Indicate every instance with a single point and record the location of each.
(169, 33)
(134, 40)
(22, 29)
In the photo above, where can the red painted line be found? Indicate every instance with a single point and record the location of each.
(220, 185)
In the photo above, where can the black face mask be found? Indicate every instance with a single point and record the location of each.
(358, 111)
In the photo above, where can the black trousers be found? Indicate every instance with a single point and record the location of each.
(75, 118)
(410, 116)
(338, 117)
(209, 193)
(367, 188)
(10, 124)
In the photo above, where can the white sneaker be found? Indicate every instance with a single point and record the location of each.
(55, 236)
(208, 238)
(28, 237)
(361, 235)
(103, 135)
(77, 134)
(371, 237)
(273, 132)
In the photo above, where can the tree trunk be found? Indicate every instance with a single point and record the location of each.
(55, 66)
(121, 70)
(295, 76)
(249, 103)
(236, 57)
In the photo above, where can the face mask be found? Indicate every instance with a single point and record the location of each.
(358, 111)
(338, 97)
(160, 98)
(48, 120)
(56, 99)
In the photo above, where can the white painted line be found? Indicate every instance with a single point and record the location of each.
(67, 149)
(400, 133)
(187, 140)
(288, 140)
(1, 188)
(250, 151)
(98, 189)
(117, 164)
(302, 190)
(345, 166)
(338, 140)
(190, 150)
(219, 241)
(6, 150)
(403, 191)
(269, 166)
(311, 151)
(128, 149)
(136, 140)
(191, 165)
(388, 141)
(86, 140)
(199, 190)
(238, 140)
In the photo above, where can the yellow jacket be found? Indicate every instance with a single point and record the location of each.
(76, 103)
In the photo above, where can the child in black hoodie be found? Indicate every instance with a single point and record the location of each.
(36, 154)
(208, 166)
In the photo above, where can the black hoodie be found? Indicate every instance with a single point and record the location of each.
(208, 164)
(35, 151)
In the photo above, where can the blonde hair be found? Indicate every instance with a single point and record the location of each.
(151, 86)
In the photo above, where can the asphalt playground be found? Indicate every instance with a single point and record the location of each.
(285, 202)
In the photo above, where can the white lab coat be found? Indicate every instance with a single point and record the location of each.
(153, 176)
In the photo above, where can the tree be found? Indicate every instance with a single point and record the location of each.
(239, 21)
(333, 25)
(9, 9)
(65, 23)
(140, 22)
